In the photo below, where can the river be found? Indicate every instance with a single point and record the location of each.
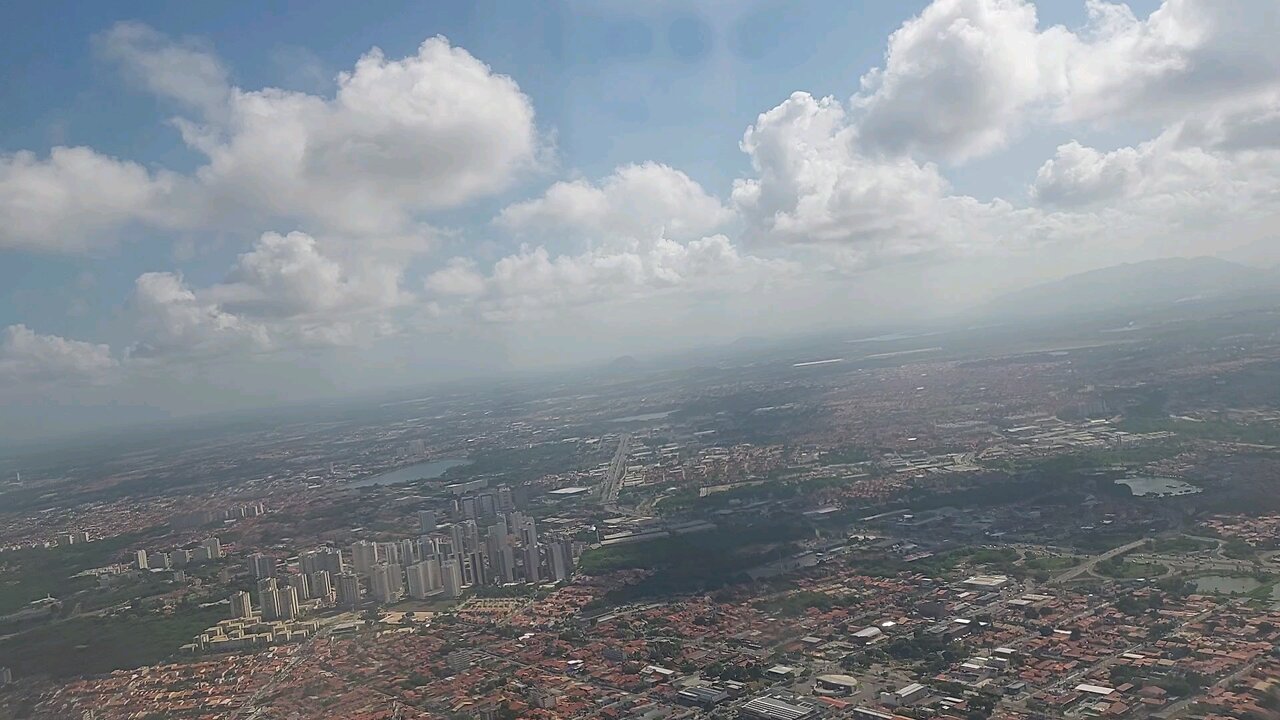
(429, 470)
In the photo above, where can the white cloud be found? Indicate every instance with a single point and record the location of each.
(1250, 128)
(283, 293)
(636, 201)
(76, 199)
(964, 76)
(1163, 185)
(400, 138)
(458, 277)
(30, 358)
(287, 276)
(186, 71)
(1078, 175)
(172, 321)
(814, 185)
(532, 281)
(959, 78)
(1188, 55)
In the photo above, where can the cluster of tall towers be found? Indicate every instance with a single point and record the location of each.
(484, 546)
(505, 551)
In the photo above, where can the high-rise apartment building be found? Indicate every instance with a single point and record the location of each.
(349, 591)
(213, 546)
(287, 603)
(426, 522)
(299, 582)
(241, 607)
(322, 558)
(451, 577)
(364, 556)
(384, 583)
(321, 585)
(262, 566)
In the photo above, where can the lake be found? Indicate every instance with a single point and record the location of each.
(429, 470)
(1226, 585)
(1158, 486)
(642, 418)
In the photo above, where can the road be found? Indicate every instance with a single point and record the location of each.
(613, 479)
(1092, 562)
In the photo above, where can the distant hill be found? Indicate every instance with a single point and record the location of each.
(1165, 281)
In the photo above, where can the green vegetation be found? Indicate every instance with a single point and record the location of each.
(549, 457)
(91, 645)
(1263, 592)
(28, 575)
(1049, 563)
(1074, 462)
(773, 489)
(1180, 544)
(1254, 434)
(1239, 550)
(1001, 560)
(844, 456)
(693, 562)
(798, 603)
(1101, 540)
(1120, 568)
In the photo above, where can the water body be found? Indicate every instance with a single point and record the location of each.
(429, 470)
(1158, 486)
(1226, 585)
(642, 418)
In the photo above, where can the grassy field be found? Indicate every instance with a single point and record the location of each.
(1122, 569)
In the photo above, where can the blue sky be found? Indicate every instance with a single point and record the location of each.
(992, 133)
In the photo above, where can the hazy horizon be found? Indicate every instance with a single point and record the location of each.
(206, 210)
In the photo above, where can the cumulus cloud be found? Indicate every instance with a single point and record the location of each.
(31, 358)
(813, 183)
(959, 78)
(401, 137)
(533, 280)
(1163, 182)
(173, 321)
(77, 198)
(1188, 55)
(282, 293)
(1078, 175)
(288, 276)
(964, 76)
(636, 201)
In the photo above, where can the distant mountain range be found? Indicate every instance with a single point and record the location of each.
(1151, 283)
